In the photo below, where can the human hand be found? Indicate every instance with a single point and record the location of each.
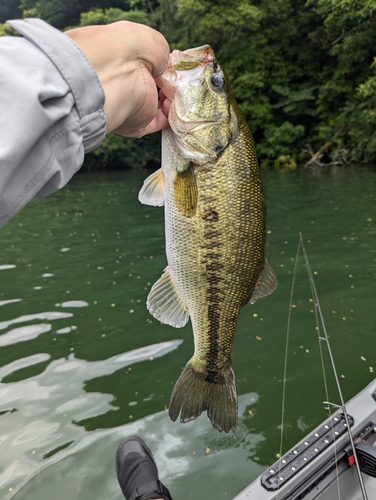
(127, 58)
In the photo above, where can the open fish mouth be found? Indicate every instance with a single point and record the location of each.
(191, 58)
(182, 62)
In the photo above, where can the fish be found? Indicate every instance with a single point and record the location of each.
(214, 203)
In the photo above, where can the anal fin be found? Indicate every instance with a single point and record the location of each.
(164, 303)
(266, 284)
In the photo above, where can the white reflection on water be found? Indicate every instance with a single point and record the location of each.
(19, 364)
(11, 301)
(67, 329)
(144, 353)
(73, 303)
(182, 453)
(24, 333)
(48, 315)
(188, 461)
(43, 410)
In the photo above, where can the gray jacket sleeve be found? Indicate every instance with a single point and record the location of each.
(51, 113)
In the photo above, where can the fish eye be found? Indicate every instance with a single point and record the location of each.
(217, 82)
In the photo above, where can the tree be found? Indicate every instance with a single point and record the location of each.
(303, 72)
(9, 9)
(346, 101)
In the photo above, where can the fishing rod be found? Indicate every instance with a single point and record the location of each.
(326, 339)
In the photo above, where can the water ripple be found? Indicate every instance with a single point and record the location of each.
(24, 333)
(48, 315)
(21, 363)
(144, 353)
(11, 301)
(72, 303)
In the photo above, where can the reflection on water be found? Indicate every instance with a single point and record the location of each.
(83, 364)
(28, 332)
(47, 417)
(29, 317)
(57, 408)
(193, 465)
(73, 303)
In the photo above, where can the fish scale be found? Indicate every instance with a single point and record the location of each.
(212, 192)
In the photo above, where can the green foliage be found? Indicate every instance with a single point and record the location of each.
(362, 129)
(300, 71)
(118, 151)
(111, 15)
(279, 148)
(9, 9)
(274, 78)
(6, 30)
(55, 12)
(62, 14)
(295, 103)
(345, 101)
(303, 72)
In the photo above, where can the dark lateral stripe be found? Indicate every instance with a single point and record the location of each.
(213, 266)
(212, 245)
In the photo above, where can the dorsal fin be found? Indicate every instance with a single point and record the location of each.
(266, 284)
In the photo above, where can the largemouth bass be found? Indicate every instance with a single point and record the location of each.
(211, 189)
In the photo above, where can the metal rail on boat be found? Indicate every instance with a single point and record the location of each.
(331, 469)
(307, 451)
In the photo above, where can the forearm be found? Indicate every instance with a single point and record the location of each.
(51, 113)
(61, 93)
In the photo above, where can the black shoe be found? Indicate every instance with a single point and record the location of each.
(137, 473)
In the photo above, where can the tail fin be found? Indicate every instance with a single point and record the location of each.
(193, 394)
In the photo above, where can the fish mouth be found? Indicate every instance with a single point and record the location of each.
(191, 58)
(181, 62)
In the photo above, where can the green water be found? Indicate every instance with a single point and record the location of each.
(83, 364)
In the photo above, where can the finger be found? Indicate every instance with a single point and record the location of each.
(149, 46)
(161, 54)
(166, 106)
(159, 122)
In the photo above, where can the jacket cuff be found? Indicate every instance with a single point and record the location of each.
(76, 71)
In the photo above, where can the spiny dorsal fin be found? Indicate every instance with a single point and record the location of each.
(266, 284)
(185, 192)
(153, 190)
(164, 303)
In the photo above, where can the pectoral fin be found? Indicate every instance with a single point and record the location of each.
(153, 190)
(266, 284)
(164, 303)
(185, 192)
